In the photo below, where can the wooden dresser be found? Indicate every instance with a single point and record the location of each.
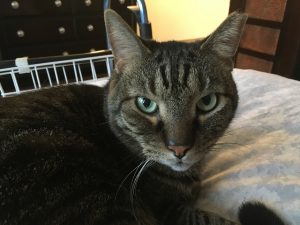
(271, 39)
(36, 28)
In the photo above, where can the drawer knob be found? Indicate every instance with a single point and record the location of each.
(65, 53)
(122, 2)
(92, 50)
(61, 30)
(90, 27)
(15, 4)
(87, 2)
(58, 3)
(20, 33)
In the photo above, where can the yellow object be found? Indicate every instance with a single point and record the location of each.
(185, 19)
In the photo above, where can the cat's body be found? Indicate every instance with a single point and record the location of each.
(129, 154)
(64, 163)
(55, 166)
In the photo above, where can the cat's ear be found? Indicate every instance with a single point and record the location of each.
(127, 48)
(224, 41)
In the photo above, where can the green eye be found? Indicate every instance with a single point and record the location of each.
(146, 105)
(208, 103)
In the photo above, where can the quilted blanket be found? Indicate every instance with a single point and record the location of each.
(258, 159)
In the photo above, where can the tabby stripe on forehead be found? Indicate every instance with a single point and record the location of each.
(186, 72)
(191, 55)
(162, 70)
(159, 58)
(174, 69)
(151, 86)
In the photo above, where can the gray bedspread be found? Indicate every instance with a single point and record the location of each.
(259, 157)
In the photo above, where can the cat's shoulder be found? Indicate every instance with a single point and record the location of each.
(68, 107)
(58, 93)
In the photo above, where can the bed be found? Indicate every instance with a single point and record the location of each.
(259, 157)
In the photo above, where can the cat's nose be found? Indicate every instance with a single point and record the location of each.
(179, 150)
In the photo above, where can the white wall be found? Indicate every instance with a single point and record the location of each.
(185, 19)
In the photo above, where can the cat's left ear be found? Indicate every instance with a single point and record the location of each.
(224, 41)
(127, 48)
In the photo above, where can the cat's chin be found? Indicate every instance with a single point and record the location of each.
(177, 165)
(180, 167)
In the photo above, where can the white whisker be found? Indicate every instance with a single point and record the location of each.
(145, 164)
(126, 177)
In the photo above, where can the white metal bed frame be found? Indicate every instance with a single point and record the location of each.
(55, 71)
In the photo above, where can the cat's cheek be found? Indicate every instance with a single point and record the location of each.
(194, 157)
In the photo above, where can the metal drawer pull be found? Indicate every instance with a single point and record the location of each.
(58, 3)
(65, 53)
(61, 30)
(20, 33)
(90, 27)
(15, 4)
(122, 2)
(92, 50)
(87, 2)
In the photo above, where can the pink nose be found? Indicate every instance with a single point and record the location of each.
(179, 150)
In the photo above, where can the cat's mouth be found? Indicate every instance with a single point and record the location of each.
(179, 165)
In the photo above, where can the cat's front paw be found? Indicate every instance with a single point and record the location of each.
(255, 213)
(191, 216)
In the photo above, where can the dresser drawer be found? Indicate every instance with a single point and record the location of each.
(260, 39)
(37, 28)
(88, 6)
(82, 47)
(91, 27)
(35, 7)
(266, 9)
(55, 49)
(96, 6)
(28, 31)
(244, 61)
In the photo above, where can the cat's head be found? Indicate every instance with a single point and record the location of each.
(169, 102)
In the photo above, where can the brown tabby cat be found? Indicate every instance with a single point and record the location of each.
(128, 154)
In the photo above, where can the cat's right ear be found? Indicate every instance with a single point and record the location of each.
(224, 41)
(127, 48)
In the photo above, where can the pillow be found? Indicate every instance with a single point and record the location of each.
(259, 156)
